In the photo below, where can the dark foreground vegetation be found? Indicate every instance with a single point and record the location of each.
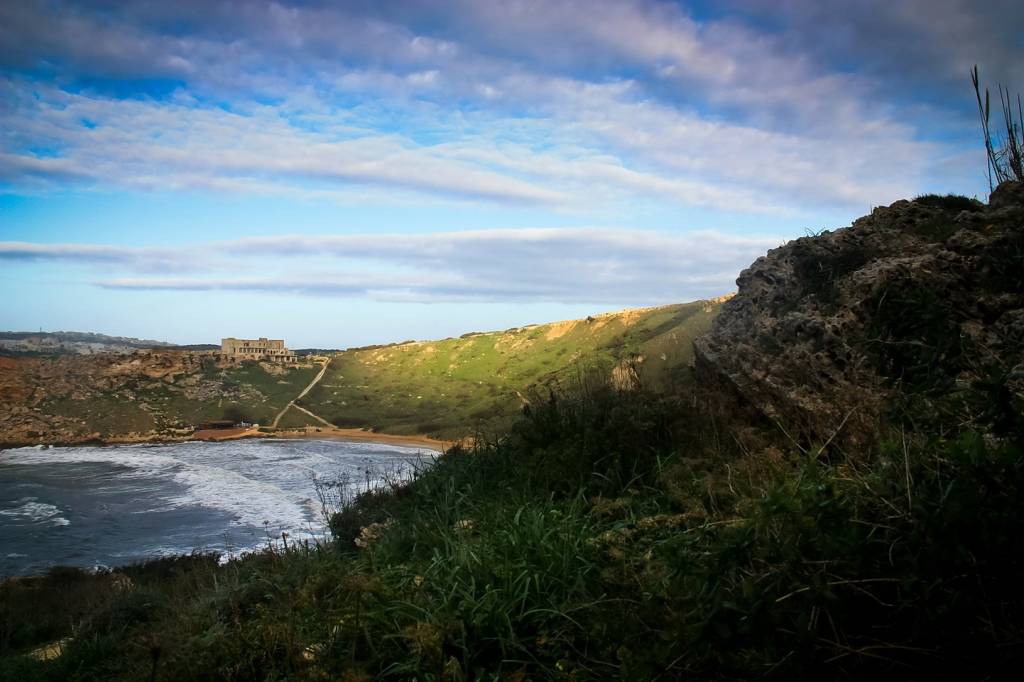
(610, 535)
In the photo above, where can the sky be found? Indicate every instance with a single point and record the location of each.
(348, 173)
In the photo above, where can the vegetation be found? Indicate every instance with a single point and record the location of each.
(448, 389)
(249, 391)
(479, 382)
(106, 414)
(950, 202)
(611, 534)
(632, 529)
(275, 390)
(1004, 148)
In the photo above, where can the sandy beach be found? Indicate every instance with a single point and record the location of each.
(361, 435)
(217, 435)
(324, 433)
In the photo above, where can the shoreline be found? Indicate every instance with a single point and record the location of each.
(310, 433)
(359, 435)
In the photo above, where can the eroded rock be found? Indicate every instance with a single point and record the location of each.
(920, 295)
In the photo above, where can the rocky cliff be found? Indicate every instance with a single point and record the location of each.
(144, 395)
(924, 298)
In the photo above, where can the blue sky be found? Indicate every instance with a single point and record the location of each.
(347, 173)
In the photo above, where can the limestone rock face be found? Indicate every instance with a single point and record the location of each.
(920, 295)
(77, 398)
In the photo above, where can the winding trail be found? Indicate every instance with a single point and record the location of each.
(306, 390)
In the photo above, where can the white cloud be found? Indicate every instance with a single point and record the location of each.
(589, 149)
(135, 258)
(574, 105)
(567, 265)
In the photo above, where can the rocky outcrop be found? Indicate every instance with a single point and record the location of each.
(147, 395)
(626, 375)
(922, 297)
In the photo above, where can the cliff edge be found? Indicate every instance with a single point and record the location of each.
(923, 298)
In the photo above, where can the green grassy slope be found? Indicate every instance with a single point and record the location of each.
(452, 387)
(447, 389)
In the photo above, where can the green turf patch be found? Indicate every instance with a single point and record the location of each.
(455, 387)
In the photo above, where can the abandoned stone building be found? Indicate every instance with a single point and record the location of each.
(256, 349)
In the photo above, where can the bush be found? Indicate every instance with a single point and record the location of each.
(236, 413)
(916, 338)
(819, 272)
(950, 202)
(347, 422)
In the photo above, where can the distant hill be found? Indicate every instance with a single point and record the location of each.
(72, 342)
(449, 388)
(85, 343)
(452, 387)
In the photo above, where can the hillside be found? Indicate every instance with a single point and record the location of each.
(726, 528)
(145, 395)
(452, 387)
(51, 343)
(446, 389)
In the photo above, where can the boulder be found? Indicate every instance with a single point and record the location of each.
(921, 297)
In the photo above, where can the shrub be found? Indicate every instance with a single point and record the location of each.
(347, 422)
(235, 413)
(917, 341)
(820, 271)
(950, 202)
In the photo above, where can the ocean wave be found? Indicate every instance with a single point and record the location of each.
(30, 510)
(268, 485)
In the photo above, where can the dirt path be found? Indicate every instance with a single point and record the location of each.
(306, 390)
(316, 417)
(332, 432)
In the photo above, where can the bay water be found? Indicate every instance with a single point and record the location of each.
(106, 506)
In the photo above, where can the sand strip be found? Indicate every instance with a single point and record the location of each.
(361, 435)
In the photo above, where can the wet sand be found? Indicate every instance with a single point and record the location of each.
(361, 435)
(224, 434)
(310, 432)
(325, 433)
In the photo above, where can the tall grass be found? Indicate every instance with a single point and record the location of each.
(1005, 146)
(610, 535)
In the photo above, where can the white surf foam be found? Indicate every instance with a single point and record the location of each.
(266, 485)
(30, 510)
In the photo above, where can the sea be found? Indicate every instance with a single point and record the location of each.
(99, 507)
